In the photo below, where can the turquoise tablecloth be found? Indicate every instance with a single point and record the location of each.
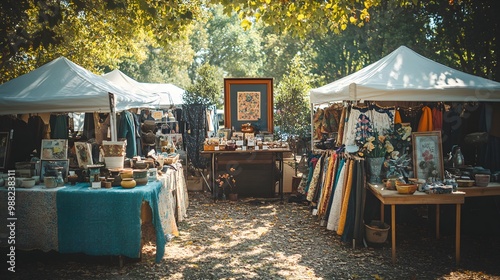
(107, 221)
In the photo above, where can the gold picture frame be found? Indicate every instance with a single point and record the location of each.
(248, 100)
(428, 155)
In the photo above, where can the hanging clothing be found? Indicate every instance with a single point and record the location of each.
(88, 126)
(126, 129)
(333, 218)
(59, 127)
(340, 135)
(397, 117)
(345, 200)
(425, 123)
(334, 187)
(327, 189)
(382, 119)
(195, 118)
(437, 119)
(37, 126)
(315, 178)
(313, 160)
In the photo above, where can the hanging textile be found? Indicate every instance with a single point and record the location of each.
(397, 117)
(317, 123)
(425, 123)
(348, 229)
(358, 125)
(126, 129)
(312, 161)
(37, 127)
(195, 134)
(360, 201)
(88, 126)
(315, 179)
(345, 199)
(334, 187)
(59, 126)
(382, 119)
(336, 206)
(342, 121)
(437, 119)
(327, 189)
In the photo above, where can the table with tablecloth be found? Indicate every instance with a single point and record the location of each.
(78, 219)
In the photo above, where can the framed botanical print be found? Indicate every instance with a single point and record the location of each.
(428, 155)
(4, 145)
(248, 100)
(83, 154)
(54, 149)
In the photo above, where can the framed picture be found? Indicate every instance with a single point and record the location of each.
(4, 146)
(54, 149)
(49, 167)
(428, 155)
(248, 100)
(83, 154)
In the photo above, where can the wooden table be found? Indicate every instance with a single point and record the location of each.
(264, 158)
(393, 198)
(492, 189)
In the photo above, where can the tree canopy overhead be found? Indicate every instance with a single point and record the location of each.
(302, 17)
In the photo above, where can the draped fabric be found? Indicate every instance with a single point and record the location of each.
(315, 178)
(195, 118)
(59, 127)
(333, 218)
(340, 135)
(425, 123)
(327, 188)
(345, 200)
(126, 129)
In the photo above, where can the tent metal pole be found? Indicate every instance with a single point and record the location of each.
(312, 127)
(112, 115)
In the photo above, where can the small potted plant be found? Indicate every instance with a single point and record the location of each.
(227, 184)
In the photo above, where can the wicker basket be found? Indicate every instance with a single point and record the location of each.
(376, 232)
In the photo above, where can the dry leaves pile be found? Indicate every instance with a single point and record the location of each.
(266, 239)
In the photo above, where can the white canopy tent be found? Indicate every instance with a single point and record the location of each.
(404, 75)
(63, 86)
(168, 94)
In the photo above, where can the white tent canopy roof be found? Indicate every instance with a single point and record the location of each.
(168, 94)
(63, 86)
(404, 75)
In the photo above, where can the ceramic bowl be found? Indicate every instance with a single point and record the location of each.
(406, 188)
(28, 183)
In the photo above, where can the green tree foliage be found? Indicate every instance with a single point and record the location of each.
(301, 17)
(464, 34)
(292, 113)
(222, 42)
(206, 87)
(94, 34)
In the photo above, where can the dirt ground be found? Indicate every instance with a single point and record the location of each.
(267, 239)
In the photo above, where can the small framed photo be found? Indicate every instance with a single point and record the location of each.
(83, 154)
(54, 149)
(50, 168)
(238, 135)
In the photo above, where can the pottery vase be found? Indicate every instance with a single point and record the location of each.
(374, 169)
(128, 183)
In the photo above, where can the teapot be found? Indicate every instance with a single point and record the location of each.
(457, 158)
